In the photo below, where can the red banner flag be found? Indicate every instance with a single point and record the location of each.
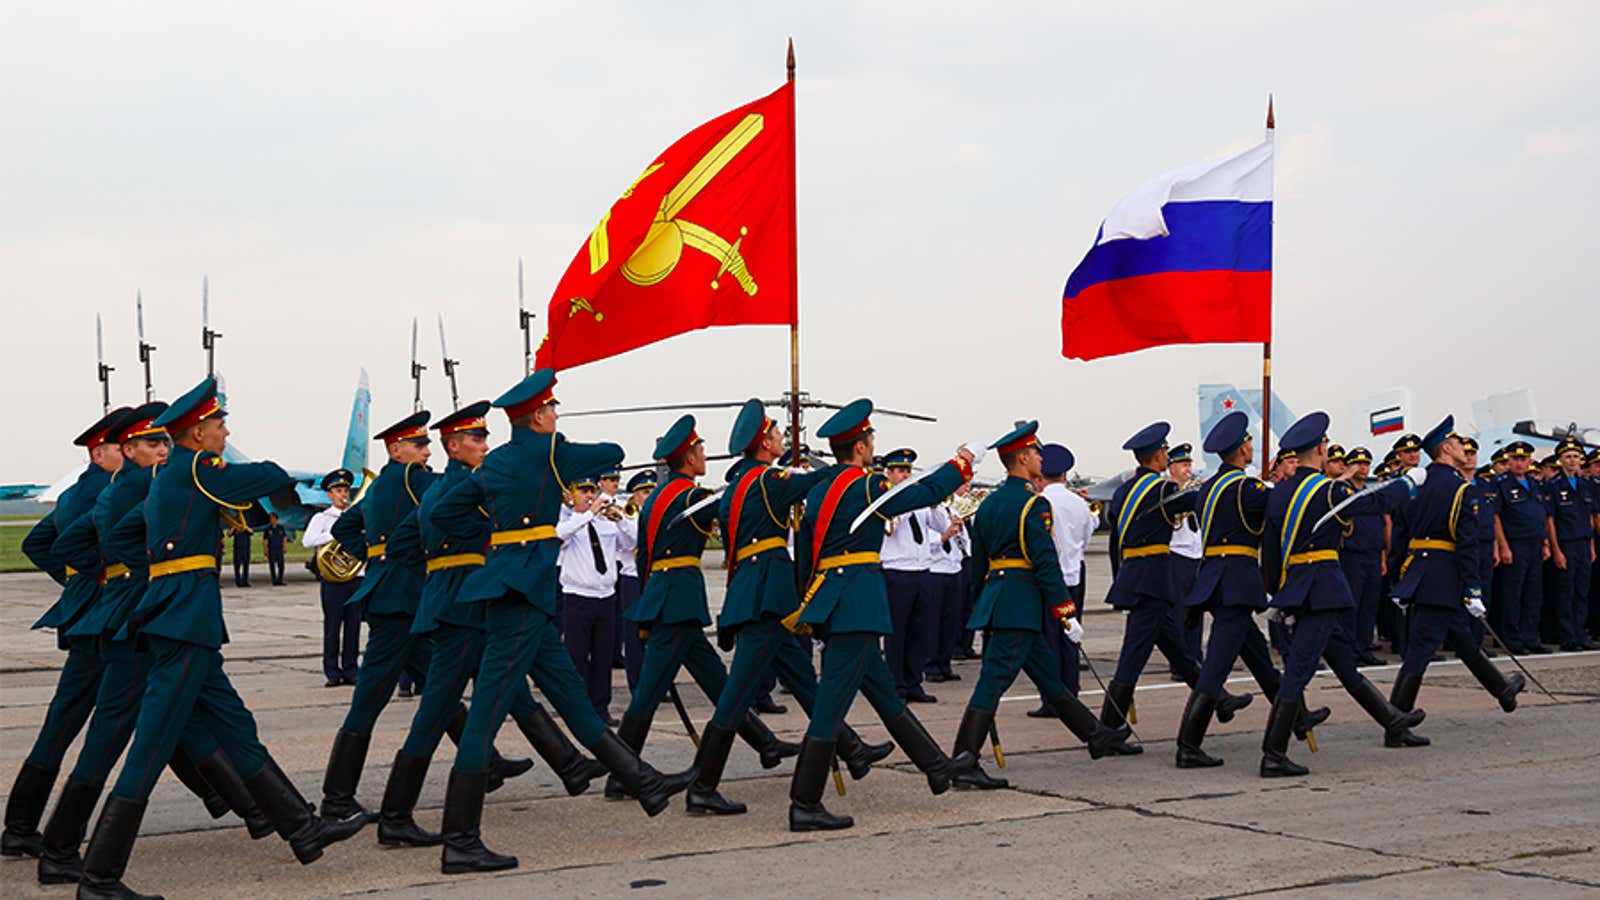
(704, 237)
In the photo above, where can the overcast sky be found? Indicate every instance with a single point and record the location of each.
(337, 169)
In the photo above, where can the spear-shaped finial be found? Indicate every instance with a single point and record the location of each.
(790, 65)
(1270, 123)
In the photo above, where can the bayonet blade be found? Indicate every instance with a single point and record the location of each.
(138, 305)
(99, 342)
(413, 340)
(520, 304)
(443, 351)
(205, 302)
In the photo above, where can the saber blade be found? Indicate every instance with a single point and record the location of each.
(697, 506)
(875, 505)
(1536, 682)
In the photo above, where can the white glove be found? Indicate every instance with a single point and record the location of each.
(1398, 601)
(1274, 614)
(1417, 476)
(1475, 607)
(1075, 631)
(978, 449)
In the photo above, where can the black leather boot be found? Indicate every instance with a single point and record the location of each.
(1397, 714)
(766, 744)
(24, 808)
(106, 857)
(1192, 732)
(636, 777)
(59, 862)
(969, 741)
(396, 827)
(702, 798)
(1080, 720)
(858, 755)
(806, 812)
(345, 762)
(500, 768)
(548, 740)
(1489, 675)
(189, 773)
(218, 771)
(908, 732)
(1308, 718)
(1228, 704)
(1275, 761)
(1119, 700)
(291, 815)
(631, 733)
(463, 817)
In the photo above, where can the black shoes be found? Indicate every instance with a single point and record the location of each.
(768, 707)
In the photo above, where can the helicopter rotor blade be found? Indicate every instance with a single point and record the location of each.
(663, 408)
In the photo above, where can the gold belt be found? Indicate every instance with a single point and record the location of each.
(1312, 556)
(749, 550)
(455, 560)
(675, 562)
(523, 535)
(1153, 550)
(1233, 550)
(376, 550)
(1431, 544)
(182, 564)
(1009, 564)
(115, 570)
(860, 558)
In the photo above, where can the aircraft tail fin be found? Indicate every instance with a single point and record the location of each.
(1217, 400)
(359, 435)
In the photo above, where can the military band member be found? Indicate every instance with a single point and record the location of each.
(273, 538)
(905, 574)
(1144, 511)
(79, 680)
(947, 556)
(756, 516)
(1520, 532)
(179, 620)
(1072, 527)
(519, 487)
(610, 484)
(672, 604)
(341, 621)
(1573, 505)
(1301, 563)
(1022, 593)
(847, 605)
(640, 486)
(1184, 562)
(1440, 578)
(1361, 555)
(588, 566)
(455, 633)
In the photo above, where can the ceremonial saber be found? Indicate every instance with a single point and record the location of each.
(838, 780)
(697, 506)
(878, 503)
(683, 714)
(1112, 700)
(1536, 682)
(1345, 503)
(994, 741)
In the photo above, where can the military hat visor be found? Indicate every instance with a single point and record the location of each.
(1444, 431)
(1228, 434)
(848, 423)
(104, 429)
(196, 406)
(141, 423)
(1307, 432)
(531, 393)
(1148, 439)
(469, 418)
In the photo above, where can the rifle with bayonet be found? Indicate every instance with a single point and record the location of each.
(449, 367)
(102, 371)
(145, 347)
(416, 370)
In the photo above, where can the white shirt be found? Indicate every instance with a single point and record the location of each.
(1073, 527)
(319, 530)
(901, 552)
(627, 540)
(579, 574)
(940, 560)
(1186, 538)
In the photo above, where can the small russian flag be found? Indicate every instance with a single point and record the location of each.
(1386, 420)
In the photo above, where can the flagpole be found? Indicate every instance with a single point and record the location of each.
(1266, 352)
(794, 278)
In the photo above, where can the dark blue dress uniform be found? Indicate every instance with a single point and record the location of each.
(1522, 513)
(1233, 509)
(846, 604)
(519, 488)
(1021, 594)
(273, 538)
(455, 633)
(1301, 563)
(179, 619)
(1573, 503)
(1144, 510)
(388, 600)
(672, 608)
(241, 555)
(761, 592)
(1440, 579)
(80, 672)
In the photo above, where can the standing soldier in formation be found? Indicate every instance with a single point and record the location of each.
(1022, 593)
(273, 537)
(1520, 530)
(1574, 508)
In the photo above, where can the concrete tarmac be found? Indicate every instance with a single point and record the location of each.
(1500, 805)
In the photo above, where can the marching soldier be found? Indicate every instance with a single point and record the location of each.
(906, 557)
(672, 607)
(179, 619)
(1364, 562)
(756, 518)
(1142, 581)
(1440, 578)
(112, 536)
(1574, 505)
(341, 620)
(1301, 562)
(79, 681)
(1520, 529)
(640, 487)
(455, 633)
(1233, 515)
(519, 487)
(1022, 593)
(273, 537)
(847, 605)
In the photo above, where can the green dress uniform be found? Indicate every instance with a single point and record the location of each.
(755, 515)
(519, 488)
(179, 619)
(80, 672)
(672, 608)
(455, 634)
(1020, 593)
(847, 605)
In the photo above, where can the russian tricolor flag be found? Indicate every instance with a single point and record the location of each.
(1185, 259)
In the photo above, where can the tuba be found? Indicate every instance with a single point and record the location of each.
(334, 563)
